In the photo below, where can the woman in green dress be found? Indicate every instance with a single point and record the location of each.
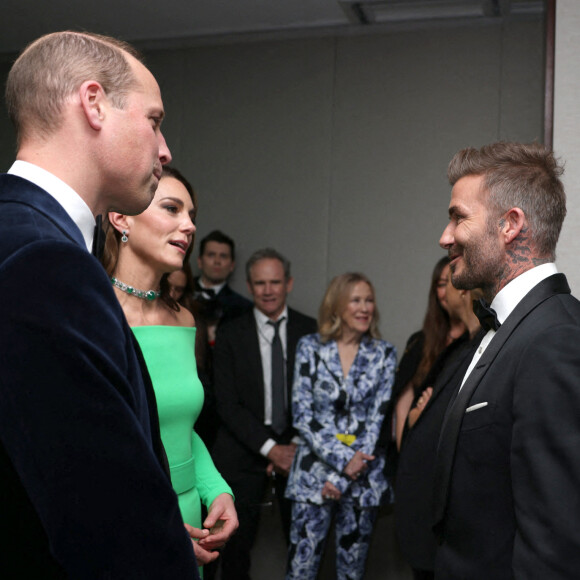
(140, 251)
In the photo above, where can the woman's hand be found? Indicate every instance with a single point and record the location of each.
(202, 555)
(329, 491)
(221, 521)
(416, 411)
(357, 465)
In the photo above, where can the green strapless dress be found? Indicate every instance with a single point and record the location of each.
(169, 352)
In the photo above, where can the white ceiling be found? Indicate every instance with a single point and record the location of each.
(149, 22)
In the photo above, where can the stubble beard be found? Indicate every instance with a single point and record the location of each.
(483, 268)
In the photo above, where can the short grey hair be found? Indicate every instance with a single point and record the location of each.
(267, 254)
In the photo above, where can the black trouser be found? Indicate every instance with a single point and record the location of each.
(249, 490)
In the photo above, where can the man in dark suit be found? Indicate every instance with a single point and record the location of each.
(507, 471)
(214, 301)
(83, 491)
(216, 263)
(254, 363)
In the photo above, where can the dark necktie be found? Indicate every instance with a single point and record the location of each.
(487, 315)
(98, 238)
(279, 421)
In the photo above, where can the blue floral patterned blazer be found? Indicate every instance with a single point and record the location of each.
(325, 403)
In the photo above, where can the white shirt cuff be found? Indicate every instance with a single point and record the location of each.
(267, 447)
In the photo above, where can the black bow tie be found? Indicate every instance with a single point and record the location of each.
(98, 238)
(204, 293)
(487, 315)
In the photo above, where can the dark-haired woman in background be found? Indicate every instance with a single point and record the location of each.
(140, 251)
(439, 330)
(342, 384)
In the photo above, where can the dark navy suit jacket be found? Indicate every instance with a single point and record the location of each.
(83, 493)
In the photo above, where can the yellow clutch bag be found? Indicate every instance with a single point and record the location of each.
(346, 438)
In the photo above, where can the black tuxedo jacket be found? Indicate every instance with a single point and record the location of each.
(507, 477)
(239, 388)
(82, 493)
(226, 304)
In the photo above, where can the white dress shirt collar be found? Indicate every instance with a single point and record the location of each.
(262, 319)
(507, 299)
(511, 294)
(65, 195)
(217, 288)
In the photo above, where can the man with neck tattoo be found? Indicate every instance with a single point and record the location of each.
(507, 472)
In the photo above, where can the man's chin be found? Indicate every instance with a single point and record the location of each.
(459, 281)
(133, 202)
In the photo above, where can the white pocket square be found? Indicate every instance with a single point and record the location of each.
(475, 407)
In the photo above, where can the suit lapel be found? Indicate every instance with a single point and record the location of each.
(18, 190)
(157, 444)
(254, 357)
(292, 337)
(555, 284)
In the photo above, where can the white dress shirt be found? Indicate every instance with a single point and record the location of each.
(507, 299)
(265, 337)
(65, 195)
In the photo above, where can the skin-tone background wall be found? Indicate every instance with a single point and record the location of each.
(334, 149)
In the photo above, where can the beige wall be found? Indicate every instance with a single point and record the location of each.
(334, 149)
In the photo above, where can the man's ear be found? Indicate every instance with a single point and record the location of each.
(514, 222)
(119, 221)
(94, 103)
(289, 284)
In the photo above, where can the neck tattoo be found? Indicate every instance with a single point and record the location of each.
(143, 294)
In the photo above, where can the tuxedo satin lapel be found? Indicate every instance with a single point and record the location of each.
(555, 284)
(20, 190)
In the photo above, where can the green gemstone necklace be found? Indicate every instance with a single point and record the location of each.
(144, 294)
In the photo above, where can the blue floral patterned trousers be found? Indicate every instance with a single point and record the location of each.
(309, 530)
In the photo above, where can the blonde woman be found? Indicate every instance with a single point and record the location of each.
(342, 384)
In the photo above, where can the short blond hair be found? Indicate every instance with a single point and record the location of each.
(334, 303)
(52, 68)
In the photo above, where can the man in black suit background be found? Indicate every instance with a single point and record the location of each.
(83, 491)
(214, 301)
(216, 263)
(255, 438)
(507, 473)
